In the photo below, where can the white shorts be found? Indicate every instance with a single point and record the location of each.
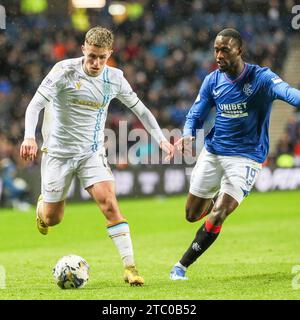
(58, 173)
(234, 176)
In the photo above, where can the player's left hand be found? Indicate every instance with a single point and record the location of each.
(168, 148)
(28, 149)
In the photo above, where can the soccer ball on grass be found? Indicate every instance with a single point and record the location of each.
(71, 272)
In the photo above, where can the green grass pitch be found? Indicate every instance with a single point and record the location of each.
(252, 258)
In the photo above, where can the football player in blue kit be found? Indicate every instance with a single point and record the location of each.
(226, 170)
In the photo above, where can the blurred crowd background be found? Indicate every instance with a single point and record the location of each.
(165, 49)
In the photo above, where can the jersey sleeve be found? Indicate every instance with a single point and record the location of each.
(130, 99)
(126, 95)
(52, 83)
(199, 110)
(37, 103)
(278, 89)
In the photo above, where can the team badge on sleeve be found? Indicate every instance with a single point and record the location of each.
(276, 80)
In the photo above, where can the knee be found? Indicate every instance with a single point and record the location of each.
(52, 220)
(52, 213)
(107, 206)
(190, 215)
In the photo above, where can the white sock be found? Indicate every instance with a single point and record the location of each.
(120, 234)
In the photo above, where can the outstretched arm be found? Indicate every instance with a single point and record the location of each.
(278, 89)
(200, 109)
(28, 150)
(200, 116)
(285, 92)
(130, 99)
(196, 117)
(148, 121)
(151, 125)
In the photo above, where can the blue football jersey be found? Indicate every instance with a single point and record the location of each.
(243, 107)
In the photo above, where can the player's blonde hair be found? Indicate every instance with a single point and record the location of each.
(100, 37)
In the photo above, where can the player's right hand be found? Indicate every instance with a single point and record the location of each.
(185, 145)
(168, 148)
(28, 149)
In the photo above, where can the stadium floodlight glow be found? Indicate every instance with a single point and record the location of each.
(88, 3)
(117, 9)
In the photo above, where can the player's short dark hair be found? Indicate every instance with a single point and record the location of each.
(232, 33)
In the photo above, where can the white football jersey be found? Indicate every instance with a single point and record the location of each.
(74, 121)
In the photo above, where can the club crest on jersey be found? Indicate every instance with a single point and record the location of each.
(247, 89)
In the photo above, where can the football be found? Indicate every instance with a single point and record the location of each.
(71, 272)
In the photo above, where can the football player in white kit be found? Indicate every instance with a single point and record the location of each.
(80, 90)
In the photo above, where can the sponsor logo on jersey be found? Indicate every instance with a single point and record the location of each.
(247, 89)
(85, 103)
(233, 110)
